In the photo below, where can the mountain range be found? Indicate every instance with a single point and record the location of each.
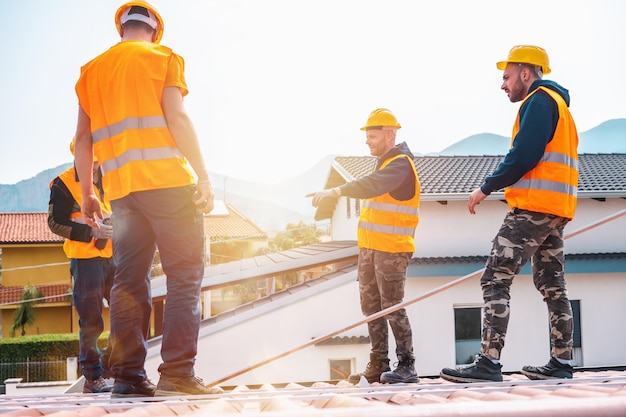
(273, 206)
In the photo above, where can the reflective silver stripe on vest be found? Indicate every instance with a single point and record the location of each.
(393, 208)
(560, 158)
(392, 230)
(545, 185)
(146, 122)
(139, 155)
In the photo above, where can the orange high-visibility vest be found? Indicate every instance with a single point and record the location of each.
(387, 224)
(121, 92)
(74, 248)
(551, 186)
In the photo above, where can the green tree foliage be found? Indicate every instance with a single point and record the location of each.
(295, 235)
(25, 313)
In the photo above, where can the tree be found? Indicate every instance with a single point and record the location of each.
(295, 235)
(25, 313)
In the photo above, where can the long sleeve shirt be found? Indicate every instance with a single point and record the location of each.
(396, 178)
(538, 118)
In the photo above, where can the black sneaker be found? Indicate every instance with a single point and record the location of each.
(482, 370)
(96, 386)
(404, 372)
(372, 372)
(189, 385)
(123, 389)
(553, 370)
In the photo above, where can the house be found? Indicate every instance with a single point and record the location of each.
(226, 225)
(33, 255)
(281, 338)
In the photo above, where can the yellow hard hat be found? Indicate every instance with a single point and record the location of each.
(72, 148)
(527, 54)
(381, 118)
(153, 19)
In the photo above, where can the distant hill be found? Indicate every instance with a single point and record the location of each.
(608, 137)
(31, 195)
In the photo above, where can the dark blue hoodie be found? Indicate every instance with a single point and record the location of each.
(396, 178)
(538, 119)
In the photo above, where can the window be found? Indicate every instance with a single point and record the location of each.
(467, 328)
(348, 214)
(576, 313)
(340, 368)
(357, 207)
(577, 351)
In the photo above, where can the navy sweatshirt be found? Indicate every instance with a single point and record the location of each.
(396, 178)
(538, 119)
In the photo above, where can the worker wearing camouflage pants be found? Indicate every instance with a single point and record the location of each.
(539, 176)
(389, 214)
(382, 276)
(522, 236)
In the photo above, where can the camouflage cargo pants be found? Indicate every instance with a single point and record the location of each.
(382, 276)
(527, 235)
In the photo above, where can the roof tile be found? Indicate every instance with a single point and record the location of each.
(18, 228)
(52, 293)
(463, 174)
(232, 225)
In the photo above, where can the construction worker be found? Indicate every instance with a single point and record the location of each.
(389, 216)
(91, 267)
(539, 175)
(131, 114)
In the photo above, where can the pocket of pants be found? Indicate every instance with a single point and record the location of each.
(394, 287)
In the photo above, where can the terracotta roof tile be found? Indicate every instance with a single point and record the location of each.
(52, 293)
(232, 225)
(20, 228)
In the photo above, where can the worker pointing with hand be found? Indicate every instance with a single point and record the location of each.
(389, 216)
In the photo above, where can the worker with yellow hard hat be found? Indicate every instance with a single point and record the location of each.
(133, 120)
(539, 176)
(387, 221)
(89, 250)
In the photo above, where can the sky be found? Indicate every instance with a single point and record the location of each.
(276, 85)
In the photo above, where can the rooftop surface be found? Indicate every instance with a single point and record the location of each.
(589, 394)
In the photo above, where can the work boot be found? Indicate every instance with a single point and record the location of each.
(189, 385)
(482, 370)
(553, 370)
(122, 389)
(96, 386)
(404, 372)
(373, 370)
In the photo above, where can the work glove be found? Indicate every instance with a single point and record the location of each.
(104, 232)
(320, 195)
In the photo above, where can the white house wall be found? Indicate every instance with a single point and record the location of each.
(450, 230)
